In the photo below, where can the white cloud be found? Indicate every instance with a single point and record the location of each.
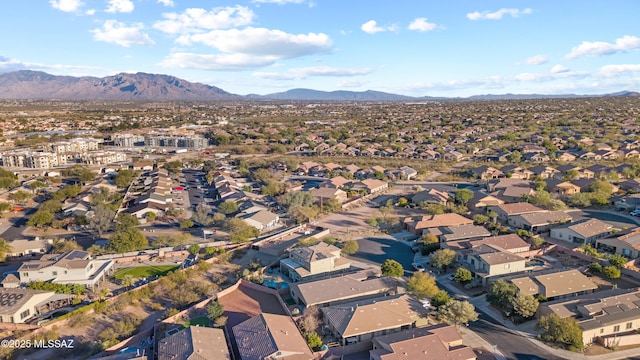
(197, 19)
(350, 83)
(119, 6)
(168, 3)
(118, 33)
(303, 73)
(536, 60)
(279, 2)
(497, 15)
(66, 5)
(90, 12)
(421, 24)
(617, 70)
(8, 64)
(557, 69)
(371, 27)
(598, 48)
(229, 62)
(262, 42)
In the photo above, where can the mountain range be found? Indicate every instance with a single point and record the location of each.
(37, 85)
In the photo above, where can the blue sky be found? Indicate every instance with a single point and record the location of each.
(411, 47)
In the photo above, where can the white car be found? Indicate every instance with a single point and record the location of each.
(417, 267)
(635, 213)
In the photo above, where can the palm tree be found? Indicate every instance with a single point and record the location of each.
(103, 293)
(128, 280)
(5, 248)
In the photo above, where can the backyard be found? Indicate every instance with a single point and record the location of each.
(145, 271)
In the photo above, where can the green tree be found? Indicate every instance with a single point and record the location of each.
(480, 219)
(126, 221)
(618, 260)
(422, 285)
(124, 178)
(559, 330)
(443, 257)
(215, 310)
(240, 231)
(60, 246)
(462, 196)
(441, 298)
(128, 280)
(314, 341)
(463, 276)
(40, 218)
(186, 224)
(5, 248)
(127, 240)
(228, 207)
(458, 312)
(295, 199)
(19, 196)
(150, 216)
(525, 305)
(194, 249)
(611, 272)
(391, 268)
(350, 247)
(501, 294)
(102, 218)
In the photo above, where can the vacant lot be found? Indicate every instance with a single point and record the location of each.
(145, 271)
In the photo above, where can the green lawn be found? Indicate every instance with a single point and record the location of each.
(145, 271)
(199, 321)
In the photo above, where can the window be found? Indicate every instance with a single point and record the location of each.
(616, 328)
(25, 274)
(54, 273)
(601, 330)
(629, 325)
(507, 266)
(24, 314)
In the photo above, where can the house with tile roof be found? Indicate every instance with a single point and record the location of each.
(555, 285)
(434, 342)
(582, 232)
(270, 336)
(418, 224)
(194, 343)
(539, 221)
(363, 320)
(306, 262)
(626, 243)
(486, 261)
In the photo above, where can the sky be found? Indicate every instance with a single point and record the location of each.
(410, 47)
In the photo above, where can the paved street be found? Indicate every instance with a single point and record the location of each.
(377, 249)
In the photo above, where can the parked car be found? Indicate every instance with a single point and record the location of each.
(417, 267)
(635, 213)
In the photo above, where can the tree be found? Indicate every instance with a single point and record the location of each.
(240, 231)
(209, 177)
(124, 178)
(493, 215)
(215, 310)
(4, 206)
(19, 196)
(611, 272)
(40, 218)
(220, 321)
(150, 216)
(201, 215)
(458, 312)
(296, 199)
(391, 268)
(194, 249)
(126, 221)
(228, 207)
(565, 331)
(60, 246)
(501, 293)
(525, 305)
(127, 240)
(422, 285)
(5, 248)
(618, 260)
(515, 157)
(462, 196)
(305, 213)
(186, 224)
(480, 219)
(102, 218)
(441, 298)
(310, 319)
(442, 258)
(128, 280)
(350, 247)
(463, 276)
(314, 341)
(429, 239)
(386, 210)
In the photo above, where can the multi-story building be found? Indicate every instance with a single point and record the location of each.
(31, 159)
(103, 157)
(176, 141)
(128, 140)
(78, 145)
